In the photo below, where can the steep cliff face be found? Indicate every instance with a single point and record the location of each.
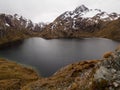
(101, 74)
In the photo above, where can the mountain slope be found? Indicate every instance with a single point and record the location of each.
(110, 30)
(14, 27)
(81, 22)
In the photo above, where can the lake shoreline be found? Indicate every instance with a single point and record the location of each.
(13, 42)
(56, 53)
(73, 76)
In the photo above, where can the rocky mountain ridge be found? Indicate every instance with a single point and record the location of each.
(81, 22)
(17, 21)
(82, 14)
(95, 14)
(15, 27)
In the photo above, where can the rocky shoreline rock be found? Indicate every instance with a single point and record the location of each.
(101, 74)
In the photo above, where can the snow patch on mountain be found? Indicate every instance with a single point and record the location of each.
(82, 18)
(7, 24)
(90, 14)
(84, 12)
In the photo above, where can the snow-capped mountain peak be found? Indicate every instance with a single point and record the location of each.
(82, 18)
(80, 9)
(86, 13)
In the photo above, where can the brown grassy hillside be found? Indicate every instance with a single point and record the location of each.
(14, 76)
(110, 30)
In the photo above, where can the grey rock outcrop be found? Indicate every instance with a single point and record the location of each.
(109, 70)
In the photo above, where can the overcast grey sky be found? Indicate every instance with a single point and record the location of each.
(48, 10)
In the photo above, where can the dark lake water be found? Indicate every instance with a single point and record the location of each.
(47, 56)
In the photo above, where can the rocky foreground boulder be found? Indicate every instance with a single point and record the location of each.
(101, 74)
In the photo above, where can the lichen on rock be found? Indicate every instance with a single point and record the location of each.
(109, 70)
